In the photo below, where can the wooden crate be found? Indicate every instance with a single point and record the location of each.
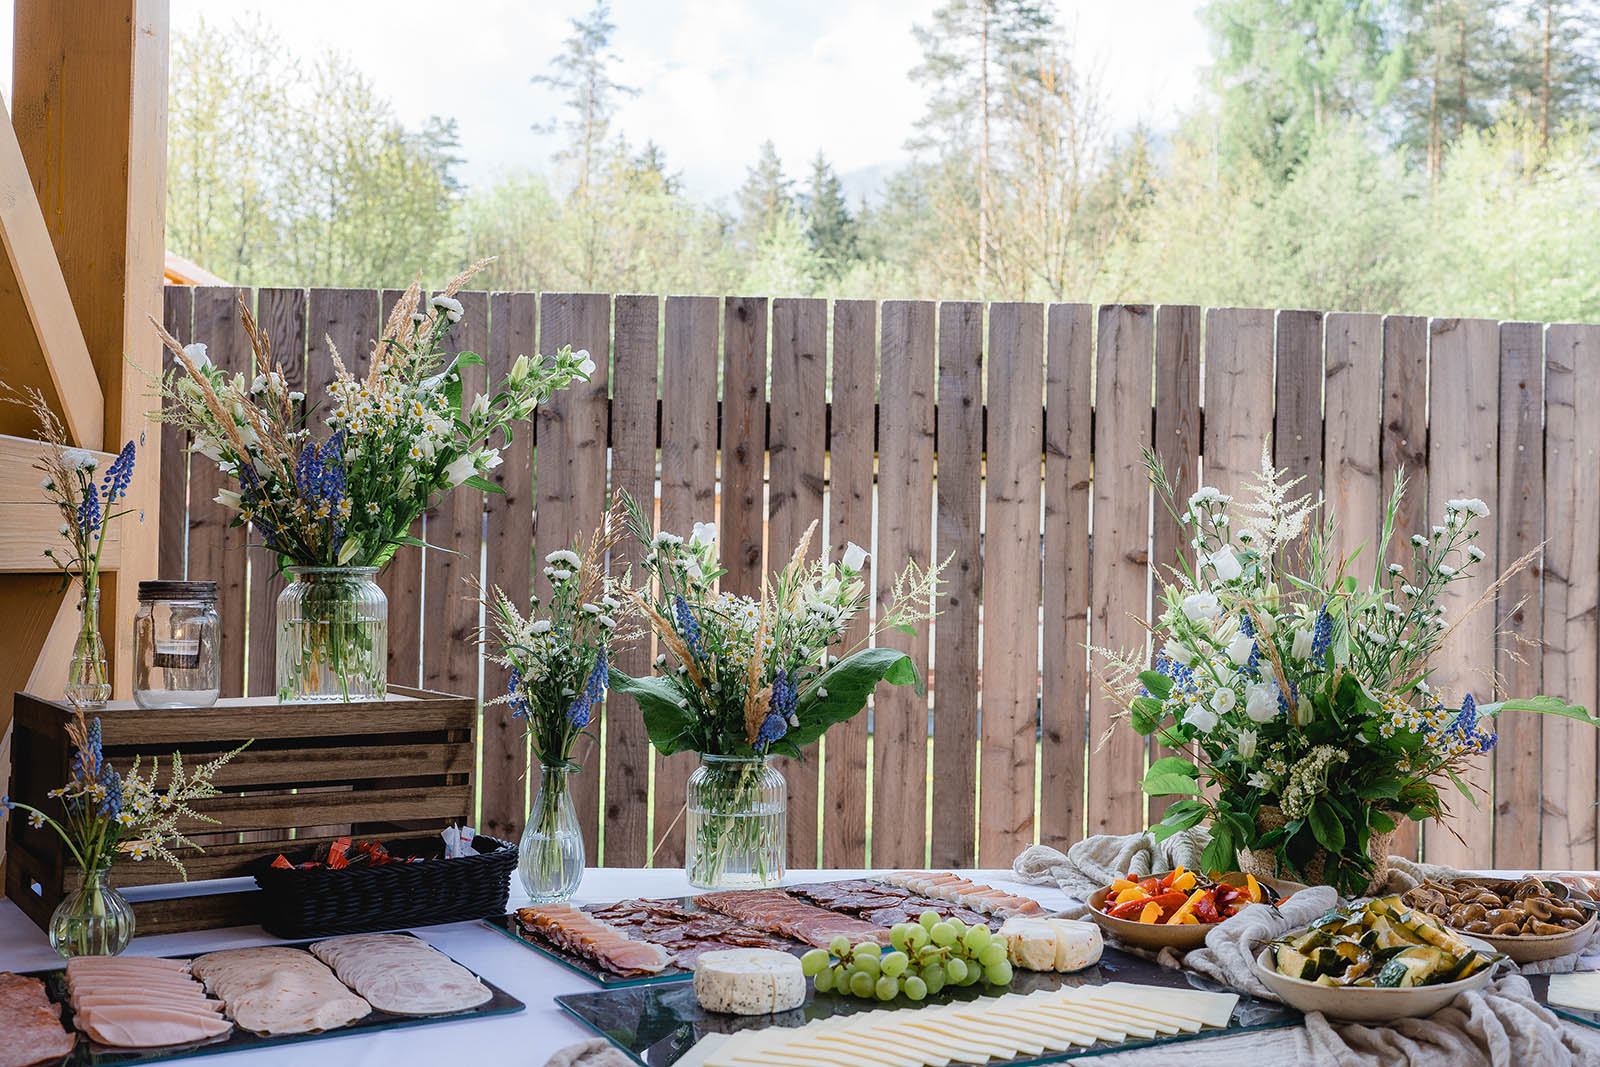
(312, 771)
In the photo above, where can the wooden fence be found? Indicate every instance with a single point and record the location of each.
(1008, 436)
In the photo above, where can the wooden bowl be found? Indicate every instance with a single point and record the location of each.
(1530, 948)
(1160, 935)
(1367, 1004)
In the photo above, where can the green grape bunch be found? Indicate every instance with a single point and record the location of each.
(924, 957)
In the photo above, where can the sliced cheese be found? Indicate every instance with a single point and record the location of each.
(696, 1056)
(1211, 1009)
(1081, 1019)
(756, 981)
(1580, 990)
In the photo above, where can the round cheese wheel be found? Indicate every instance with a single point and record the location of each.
(755, 981)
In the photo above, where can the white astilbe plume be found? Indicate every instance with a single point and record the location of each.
(1274, 520)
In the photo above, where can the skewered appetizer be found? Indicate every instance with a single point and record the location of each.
(1380, 943)
(1499, 907)
(1182, 897)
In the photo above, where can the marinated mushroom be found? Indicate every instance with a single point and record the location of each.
(1500, 907)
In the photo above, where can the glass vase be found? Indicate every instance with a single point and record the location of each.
(88, 677)
(333, 635)
(737, 819)
(551, 856)
(92, 920)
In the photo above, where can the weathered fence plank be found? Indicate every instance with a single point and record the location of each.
(508, 559)
(1297, 434)
(401, 580)
(1405, 450)
(851, 456)
(1064, 679)
(570, 473)
(1352, 465)
(744, 443)
(1519, 616)
(956, 634)
(1462, 458)
(907, 382)
(1238, 396)
(1571, 592)
(796, 441)
(1012, 575)
(633, 470)
(1125, 347)
(172, 516)
(688, 487)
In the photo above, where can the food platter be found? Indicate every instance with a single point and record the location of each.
(87, 1053)
(658, 1024)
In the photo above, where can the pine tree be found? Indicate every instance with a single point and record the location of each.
(764, 198)
(1556, 72)
(1458, 71)
(829, 226)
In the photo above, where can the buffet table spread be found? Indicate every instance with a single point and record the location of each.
(544, 1028)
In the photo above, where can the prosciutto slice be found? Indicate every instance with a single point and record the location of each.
(30, 1023)
(777, 912)
(402, 975)
(944, 885)
(273, 990)
(583, 935)
(141, 1003)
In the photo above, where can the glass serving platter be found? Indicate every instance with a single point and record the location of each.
(657, 1024)
(87, 1053)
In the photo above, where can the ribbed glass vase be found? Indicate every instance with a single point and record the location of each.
(333, 636)
(736, 823)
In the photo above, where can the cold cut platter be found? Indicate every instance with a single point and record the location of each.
(136, 1010)
(642, 942)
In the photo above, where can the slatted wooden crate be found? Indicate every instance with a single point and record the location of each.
(312, 772)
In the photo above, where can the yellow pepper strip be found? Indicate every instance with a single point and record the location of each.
(1184, 882)
(1130, 894)
(1254, 887)
(1120, 884)
(1190, 920)
(1171, 879)
(1151, 913)
(1178, 917)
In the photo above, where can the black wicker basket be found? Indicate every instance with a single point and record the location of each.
(319, 902)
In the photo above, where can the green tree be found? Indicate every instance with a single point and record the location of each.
(968, 48)
(829, 225)
(765, 199)
(1556, 77)
(1458, 70)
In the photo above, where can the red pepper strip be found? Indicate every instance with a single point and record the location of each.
(1170, 902)
(283, 862)
(1130, 910)
(1205, 910)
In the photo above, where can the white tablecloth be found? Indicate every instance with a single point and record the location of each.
(525, 1039)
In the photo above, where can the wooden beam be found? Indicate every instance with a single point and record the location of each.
(90, 113)
(31, 523)
(50, 356)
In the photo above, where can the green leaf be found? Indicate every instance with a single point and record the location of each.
(666, 721)
(1160, 685)
(1326, 827)
(1145, 714)
(1465, 791)
(1381, 822)
(482, 484)
(469, 359)
(848, 684)
(1161, 785)
(1173, 765)
(1387, 789)
(1541, 705)
(1221, 854)
(1175, 821)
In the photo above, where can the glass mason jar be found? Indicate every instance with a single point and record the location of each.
(736, 823)
(176, 645)
(550, 858)
(88, 677)
(92, 920)
(333, 635)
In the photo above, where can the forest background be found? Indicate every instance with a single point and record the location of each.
(1425, 156)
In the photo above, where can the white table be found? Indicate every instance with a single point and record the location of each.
(529, 1037)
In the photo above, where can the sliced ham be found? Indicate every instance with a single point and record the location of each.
(144, 964)
(197, 999)
(402, 975)
(945, 885)
(145, 1026)
(584, 935)
(30, 1024)
(272, 990)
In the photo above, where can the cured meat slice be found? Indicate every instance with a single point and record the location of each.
(884, 904)
(31, 1024)
(402, 975)
(272, 990)
(944, 885)
(777, 912)
(148, 1026)
(134, 1002)
(686, 934)
(584, 935)
(108, 998)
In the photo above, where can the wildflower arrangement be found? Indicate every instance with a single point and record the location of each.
(86, 503)
(746, 677)
(106, 815)
(1300, 696)
(393, 441)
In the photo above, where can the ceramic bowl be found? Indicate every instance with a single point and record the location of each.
(1160, 935)
(1531, 948)
(1367, 1004)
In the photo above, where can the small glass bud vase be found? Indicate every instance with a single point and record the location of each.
(88, 676)
(92, 920)
(737, 823)
(333, 636)
(551, 855)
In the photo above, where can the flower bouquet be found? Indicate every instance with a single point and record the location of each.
(335, 506)
(85, 506)
(105, 815)
(558, 655)
(1302, 698)
(745, 677)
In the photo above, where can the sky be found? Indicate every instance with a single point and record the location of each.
(716, 77)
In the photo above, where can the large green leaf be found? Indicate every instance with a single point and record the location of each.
(1542, 705)
(1326, 827)
(1145, 714)
(1173, 765)
(848, 684)
(1160, 685)
(666, 721)
(1162, 785)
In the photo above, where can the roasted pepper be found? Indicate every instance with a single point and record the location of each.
(1120, 884)
(1205, 910)
(1151, 912)
(1177, 917)
(1132, 893)
(1130, 910)
(1253, 887)
(1170, 902)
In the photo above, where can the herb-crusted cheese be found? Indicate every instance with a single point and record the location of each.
(749, 981)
